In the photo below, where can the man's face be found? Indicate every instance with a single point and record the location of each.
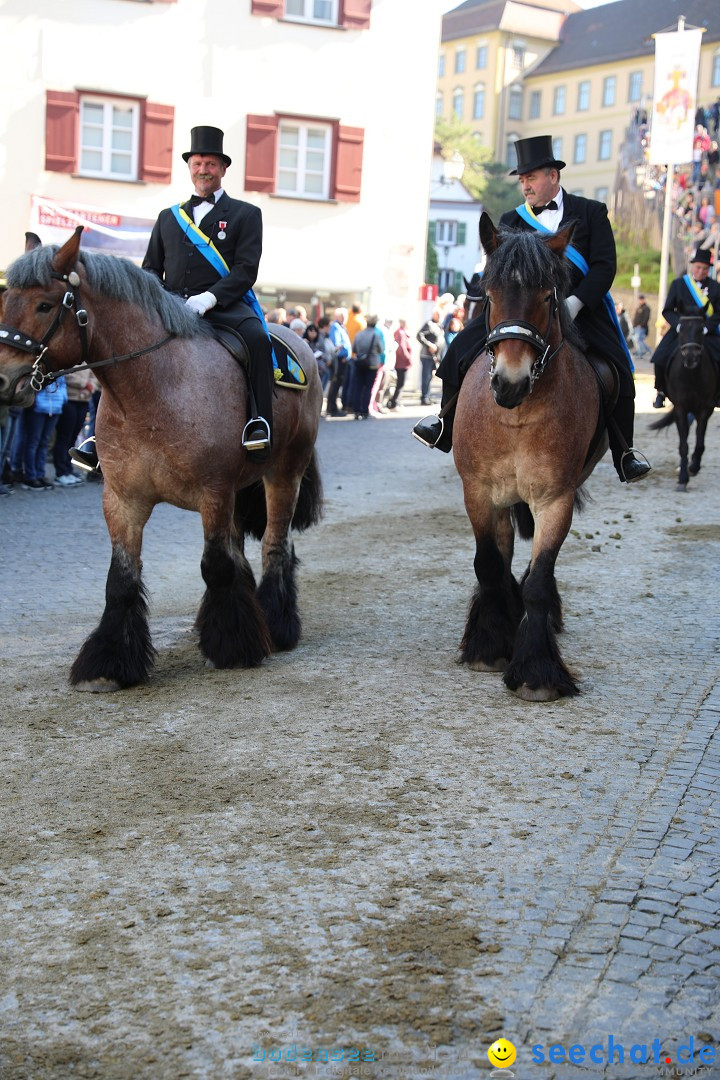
(206, 172)
(699, 270)
(540, 187)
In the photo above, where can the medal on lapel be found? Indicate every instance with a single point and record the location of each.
(223, 227)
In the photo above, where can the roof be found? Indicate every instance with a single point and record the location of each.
(623, 30)
(483, 16)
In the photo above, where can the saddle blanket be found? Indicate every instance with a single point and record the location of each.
(289, 371)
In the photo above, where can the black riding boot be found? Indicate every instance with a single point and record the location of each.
(257, 434)
(659, 401)
(437, 432)
(629, 467)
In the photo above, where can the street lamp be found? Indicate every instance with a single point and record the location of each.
(453, 168)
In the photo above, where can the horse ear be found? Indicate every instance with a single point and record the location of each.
(32, 241)
(488, 233)
(560, 240)
(66, 257)
(467, 284)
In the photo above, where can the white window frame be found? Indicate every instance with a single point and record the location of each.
(715, 69)
(107, 150)
(583, 98)
(535, 104)
(635, 78)
(479, 98)
(515, 103)
(308, 15)
(559, 97)
(609, 94)
(458, 93)
(446, 279)
(441, 65)
(580, 149)
(303, 126)
(446, 233)
(481, 54)
(605, 138)
(602, 194)
(557, 148)
(460, 60)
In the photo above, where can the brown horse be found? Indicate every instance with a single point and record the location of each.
(168, 430)
(526, 416)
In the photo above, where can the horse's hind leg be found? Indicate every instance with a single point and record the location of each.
(231, 624)
(119, 651)
(537, 672)
(701, 423)
(683, 426)
(496, 606)
(277, 591)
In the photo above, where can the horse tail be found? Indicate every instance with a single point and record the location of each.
(251, 511)
(523, 521)
(309, 507)
(665, 421)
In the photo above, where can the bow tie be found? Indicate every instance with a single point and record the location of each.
(198, 200)
(552, 205)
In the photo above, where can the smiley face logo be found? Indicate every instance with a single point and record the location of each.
(502, 1053)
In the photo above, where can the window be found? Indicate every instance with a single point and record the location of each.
(439, 105)
(303, 160)
(460, 56)
(601, 194)
(608, 95)
(580, 150)
(635, 86)
(458, 103)
(446, 232)
(441, 65)
(515, 105)
(715, 74)
(304, 157)
(559, 101)
(479, 102)
(518, 57)
(353, 16)
(108, 137)
(583, 100)
(481, 57)
(605, 146)
(510, 151)
(446, 280)
(557, 147)
(535, 101)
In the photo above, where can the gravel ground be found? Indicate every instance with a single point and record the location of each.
(362, 844)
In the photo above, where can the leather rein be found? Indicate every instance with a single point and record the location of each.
(519, 330)
(16, 339)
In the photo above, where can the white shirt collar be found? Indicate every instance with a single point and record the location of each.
(551, 219)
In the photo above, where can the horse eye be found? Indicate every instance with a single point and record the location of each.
(43, 307)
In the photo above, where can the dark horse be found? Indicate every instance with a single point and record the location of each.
(692, 384)
(168, 430)
(526, 419)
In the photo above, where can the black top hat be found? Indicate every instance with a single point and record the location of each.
(701, 255)
(207, 140)
(535, 153)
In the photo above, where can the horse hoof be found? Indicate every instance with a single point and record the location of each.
(97, 686)
(497, 665)
(210, 665)
(540, 693)
(681, 487)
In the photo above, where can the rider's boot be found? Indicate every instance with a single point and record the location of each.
(659, 401)
(435, 431)
(257, 434)
(85, 456)
(629, 466)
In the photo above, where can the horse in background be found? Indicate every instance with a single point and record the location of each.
(527, 434)
(692, 385)
(173, 405)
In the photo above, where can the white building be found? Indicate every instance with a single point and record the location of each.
(453, 229)
(327, 108)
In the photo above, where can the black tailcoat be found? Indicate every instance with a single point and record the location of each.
(680, 301)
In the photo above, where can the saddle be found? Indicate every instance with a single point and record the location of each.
(289, 372)
(609, 382)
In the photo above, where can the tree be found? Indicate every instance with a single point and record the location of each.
(431, 264)
(484, 178)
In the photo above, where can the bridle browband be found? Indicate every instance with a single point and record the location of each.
(16, 339)
(519, 330)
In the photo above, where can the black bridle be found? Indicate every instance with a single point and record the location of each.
(691, 352)
(41, 375)
(519, 330)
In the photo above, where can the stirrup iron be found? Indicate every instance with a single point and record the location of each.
(256, 443)
(420, 439)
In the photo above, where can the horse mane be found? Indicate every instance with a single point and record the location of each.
(523, 261)
(113, 277)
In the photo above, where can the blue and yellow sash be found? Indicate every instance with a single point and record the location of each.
(697, 294)
(207, 249)
(575, 257)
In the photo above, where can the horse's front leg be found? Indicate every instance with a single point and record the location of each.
(119, 651)
(701, 423)
(536, 671)
(496, 605)
(231, 624)
(683, 426)
(277, 591)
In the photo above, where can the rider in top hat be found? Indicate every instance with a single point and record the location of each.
(548, 207)
(689, 295)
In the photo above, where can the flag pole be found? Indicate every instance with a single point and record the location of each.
(665, 243)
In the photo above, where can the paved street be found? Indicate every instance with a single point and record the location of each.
(362, 844)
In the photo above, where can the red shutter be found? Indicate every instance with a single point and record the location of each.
(156, 143)
(348, 163)
(355, 14)
(273, 9)
(61, 124)
(261, 153)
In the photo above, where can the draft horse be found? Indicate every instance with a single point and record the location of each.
(693, 385)
(527, 416)
(168, 428)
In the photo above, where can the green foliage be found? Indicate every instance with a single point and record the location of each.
(431, 264)
(648, 261)
(484, 178)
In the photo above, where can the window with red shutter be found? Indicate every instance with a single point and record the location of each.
(303, 158)
(260, 153)
(61, 122)
(355, 14)
(348, 163)
(157, 143)
(273, 9)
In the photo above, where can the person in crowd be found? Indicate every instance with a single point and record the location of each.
(40, 421)
(369, 356)
(277, 315)
(298, 327)
(297, 311)
(320, 346)
(623, 322)
(385, 371)
(546, 207)
(343, 349)
(355, 321)
(454, 327)
(80, 387)
(323, 325)
(640, 327)
(403, 361)
(432, 351)
(693, 293)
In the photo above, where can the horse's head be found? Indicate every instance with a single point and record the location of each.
(525, 279)
(42, 291)
(691, 331)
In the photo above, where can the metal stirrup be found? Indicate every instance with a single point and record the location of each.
(255, 443)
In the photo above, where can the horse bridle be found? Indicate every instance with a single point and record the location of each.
(16, 339)
(519, 330)
(691, 351)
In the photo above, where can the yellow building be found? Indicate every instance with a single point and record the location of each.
(515, 69)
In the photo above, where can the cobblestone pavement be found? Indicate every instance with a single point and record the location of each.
(362, 844)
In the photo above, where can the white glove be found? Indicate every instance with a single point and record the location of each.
(201, 303)
(574, 306)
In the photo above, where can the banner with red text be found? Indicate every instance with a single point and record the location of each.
(105, 231)
(677, 58)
